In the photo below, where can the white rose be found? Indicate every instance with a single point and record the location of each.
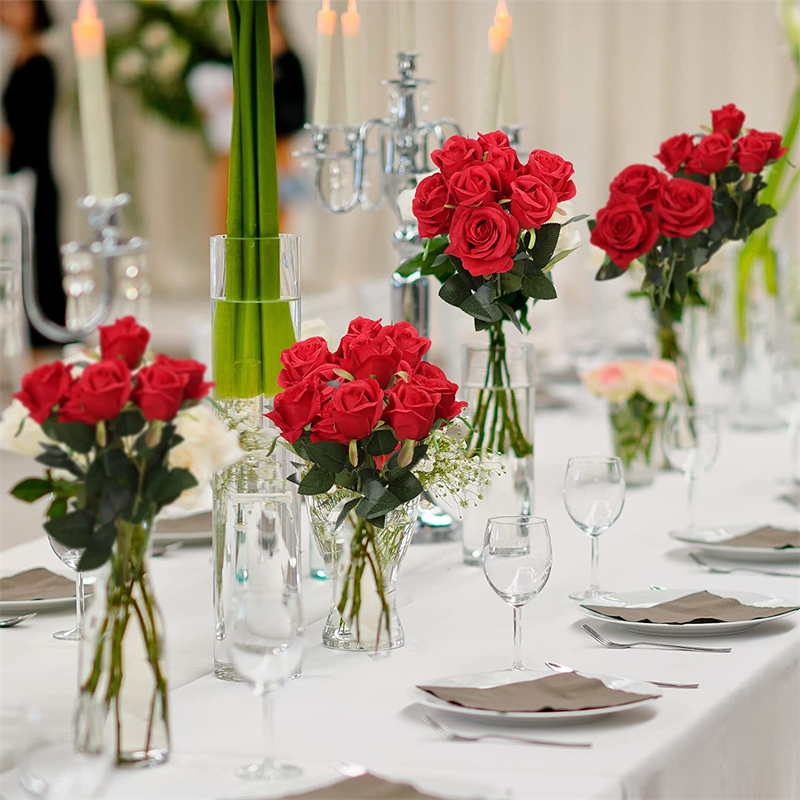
(613, 382)
(155, 35)
(130, 65)
(207, 446)
(316, 327)
(28, 442)
(658, 380)
(569, 237)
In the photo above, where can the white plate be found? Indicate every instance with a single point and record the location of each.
(713, 541)
(479, 680)
(12, 607)
(652, 597)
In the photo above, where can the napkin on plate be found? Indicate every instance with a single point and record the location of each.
(364, 787)
(196, 523)
(695, 607)
(36, 584)
(766, 536)
(564, 692)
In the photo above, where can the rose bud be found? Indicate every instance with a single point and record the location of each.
(411, 346)
(458, 152)
(476, 185)
(411, 411)
(430, 206)
(533, 202)
(355, 409)
(484, 238)
(555, 171)
(624, 230)
(44, 388)
(711, 154)
(101, 393)
(159, 392)
(674, 152)
(124, 339)
(727, 119)
(294, 408)
(302, 358)
(196, 387)
(430, 377)
(683, 208)
(641, 181)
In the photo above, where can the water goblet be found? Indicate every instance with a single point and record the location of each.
(70, 556)
(594, 494)
(517, 558)
(691, 444)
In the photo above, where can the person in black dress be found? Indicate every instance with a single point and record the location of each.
(28, 103)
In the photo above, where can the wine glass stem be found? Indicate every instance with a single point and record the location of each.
(594, 573)
(268, 720)
(690, 499)
(517, 663)
(80, 598)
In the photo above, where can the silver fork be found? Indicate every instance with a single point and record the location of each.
(565, 669)
(728, 570)
(10, 623)
(450, 734)
(660, 645)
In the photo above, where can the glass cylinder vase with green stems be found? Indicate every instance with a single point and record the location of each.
(248, 338)
(122, 660)
(635, 429)
(498, 384)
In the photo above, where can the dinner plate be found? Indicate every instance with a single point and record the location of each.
(652, 597)
(188, 530)
(480, 680)
(11, 607)
(713, 541)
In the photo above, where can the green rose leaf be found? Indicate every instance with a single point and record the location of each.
(316, 481)
(32, 489)
(545, 244)
(455, 290)
(104, 536)
(537, 285)
(331, 456)
(510, 315)
(129, 423)
(560, 257)
(93, 558)
(608, 271)
(78, 436)
(376, 502)
(406, 487)
(577, 218)
(56, 458)
(481, 305)
(165, 486)
(73, 529)
(382, 442)
(347, 507)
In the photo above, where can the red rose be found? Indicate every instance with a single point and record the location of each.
(475, 185)
(159, 391)
(430, 206)
(494, 139)
(411, 411)
(44, 388)
(505, 161)
(411, 346)
(754, 150)
(533, 202)
(434, 380)
(352, 413)
(377, 358)
(641, 182)
(484, 238)
(196, 387)
(301, 358)
(294, 408)
(711, 154)
(554, 171)
(683, 207)
(458, 152)
(624, 230)
(124, 339)
(674, 151)
(361, 329)
(727, 119)
(101, 392)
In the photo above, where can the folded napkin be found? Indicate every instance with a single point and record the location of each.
(695, 607)
(563, 692)
(197, 523)
(364, 787)
(36, 584)
(767, 536)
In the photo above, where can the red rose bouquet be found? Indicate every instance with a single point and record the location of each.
(492, 239)
(369, 423)
(673, 221)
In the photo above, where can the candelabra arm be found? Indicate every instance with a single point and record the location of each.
(438, 126)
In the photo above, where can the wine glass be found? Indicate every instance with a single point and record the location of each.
(517, 558)
(70, 556)
(263, 631)
(691, 444)
(594, 494)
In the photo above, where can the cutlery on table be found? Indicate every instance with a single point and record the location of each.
(11, 622)
(564, 668)
(659, 645)
(728, 570)
(450, 734)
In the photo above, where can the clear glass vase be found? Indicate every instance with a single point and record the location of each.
(122, 658)
(498, 382)
(255, 294)
(378, 626)
(635, 427)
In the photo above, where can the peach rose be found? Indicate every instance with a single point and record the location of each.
(613, 382)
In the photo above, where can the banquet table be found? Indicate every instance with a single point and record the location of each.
(737, 736)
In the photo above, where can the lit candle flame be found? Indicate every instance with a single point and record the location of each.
(87, 11)
(352, 7)
(501, 16)
(326, 20)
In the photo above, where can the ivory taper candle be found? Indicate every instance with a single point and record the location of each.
(508, 82)
(406, 27)
(89, 42)
(494, 72)
(351, 21)
(326, 27)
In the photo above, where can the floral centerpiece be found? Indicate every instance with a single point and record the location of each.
(674, 221)
(636, 392)
(109, 432)
(371, 424)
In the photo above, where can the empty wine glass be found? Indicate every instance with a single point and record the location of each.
(70, 556)
(517, 558)
(263, 631)
(594, 494)
(691, 444)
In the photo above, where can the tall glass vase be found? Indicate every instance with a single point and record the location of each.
(248, 336)
(498, 383)
(122, 664)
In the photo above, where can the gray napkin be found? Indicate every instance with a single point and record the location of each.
(695, 607)
(197, 523)
(36, 584)
(767, 536)
(563, 692)
(364, 787)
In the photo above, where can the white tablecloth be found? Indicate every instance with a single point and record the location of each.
(734, 737)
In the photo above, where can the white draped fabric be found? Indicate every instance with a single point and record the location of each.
(734, 737)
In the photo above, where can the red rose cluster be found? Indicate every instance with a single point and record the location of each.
(644, 202)
(106, 386)
(483, 196)
(376, 374)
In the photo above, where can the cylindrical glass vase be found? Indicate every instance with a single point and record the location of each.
(635, 427)
(255, 295)
(498, 382)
